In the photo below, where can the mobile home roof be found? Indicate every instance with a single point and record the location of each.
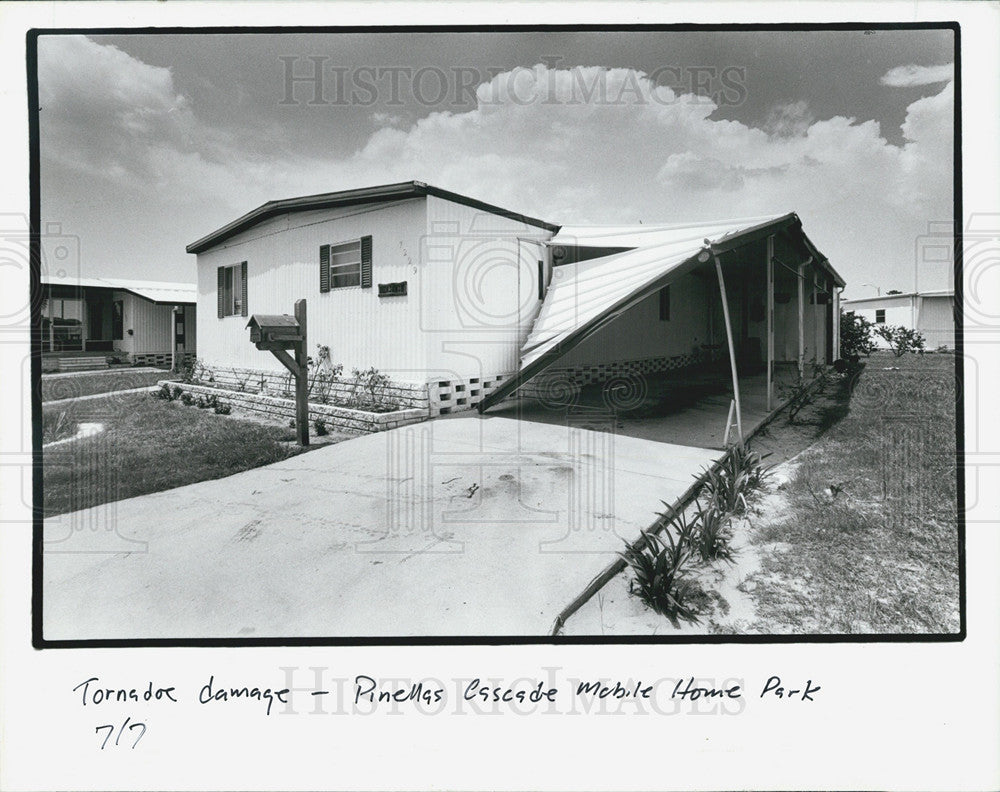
(379, 194)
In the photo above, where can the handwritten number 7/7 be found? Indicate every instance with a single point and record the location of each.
(110, 727)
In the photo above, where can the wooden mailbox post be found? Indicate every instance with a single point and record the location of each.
(277, 334)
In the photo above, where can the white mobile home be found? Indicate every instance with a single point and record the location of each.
(932, 313)
(456, 299)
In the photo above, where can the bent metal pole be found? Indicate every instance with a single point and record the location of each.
(732, 349)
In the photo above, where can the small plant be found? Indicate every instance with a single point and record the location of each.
(222, 408)
(163, 392)
(320, 427)
(658, 562)
(369, 389)
(187, 399)
(714, 533)
(901, 339)
(735, 481)
(175, 393)
(291, 423)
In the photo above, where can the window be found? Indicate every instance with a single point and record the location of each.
(346, 264)
(665, 304)
(232, 286)
(880, 316)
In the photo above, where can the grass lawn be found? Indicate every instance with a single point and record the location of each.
(866, 538)
(87, 384)
(150, 445)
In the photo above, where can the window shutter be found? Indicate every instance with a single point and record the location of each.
(221, 288)
(366, 262)
(243, 283)
(324, 268)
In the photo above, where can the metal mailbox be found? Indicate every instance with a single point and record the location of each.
(279, 330)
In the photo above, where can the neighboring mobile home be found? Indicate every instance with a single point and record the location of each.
(455, 299)
(932, 313)
(143, 320)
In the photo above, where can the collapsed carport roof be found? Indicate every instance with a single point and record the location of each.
(586, 296)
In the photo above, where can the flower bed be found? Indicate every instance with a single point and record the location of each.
(342, 419)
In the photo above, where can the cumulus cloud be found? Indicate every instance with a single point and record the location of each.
(902, 76)
(583, 145)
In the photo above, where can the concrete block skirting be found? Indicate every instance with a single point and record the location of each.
(557, 383)
(159, 358)
(341, 419)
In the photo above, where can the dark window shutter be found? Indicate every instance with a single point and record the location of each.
(243, 282)
(366, 262)
(324, 268)
(222, 291)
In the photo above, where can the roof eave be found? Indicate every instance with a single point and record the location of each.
(378, 194)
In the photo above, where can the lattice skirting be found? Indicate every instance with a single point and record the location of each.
(549, 383)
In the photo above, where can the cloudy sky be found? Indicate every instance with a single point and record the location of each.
(150, 142)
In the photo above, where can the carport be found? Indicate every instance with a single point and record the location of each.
(636, 316)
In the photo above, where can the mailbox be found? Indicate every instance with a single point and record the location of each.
(281, 330)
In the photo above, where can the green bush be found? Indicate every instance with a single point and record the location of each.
(222, 408)
(320, 427)
(187, 399)
(175, 393)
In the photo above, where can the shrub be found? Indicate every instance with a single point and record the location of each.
(163, 392)
(320, 427)
(658, 562)
(855, 336)
(901, 339)
(175, 393)
(186, 399)
(222, 408)
(369, 389)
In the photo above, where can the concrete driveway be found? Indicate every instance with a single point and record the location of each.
(460, 527)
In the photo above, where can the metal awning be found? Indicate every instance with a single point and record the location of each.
(164, 292)
(587, 296)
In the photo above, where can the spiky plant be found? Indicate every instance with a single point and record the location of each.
(658, 563)
(714, 534)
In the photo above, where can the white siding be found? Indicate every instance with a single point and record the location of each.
(282, 256)
(150, 325)
(936, 320)
(479, 290)
(639, 333)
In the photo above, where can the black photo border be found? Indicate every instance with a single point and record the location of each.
(40, 642)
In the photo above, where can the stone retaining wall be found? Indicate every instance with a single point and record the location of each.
(340, 419)
(278, 384)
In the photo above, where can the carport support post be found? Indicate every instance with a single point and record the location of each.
(301, 378)
(770, 321)
(732, 350)
(802, 331)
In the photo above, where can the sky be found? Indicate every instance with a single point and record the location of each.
(149, 142)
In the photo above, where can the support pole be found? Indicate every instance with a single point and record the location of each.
(173, 339)
(302, 378)
(816, 316)
(770, 321)
(835, 322)
(732, 349)
(802, 337)
(52, 323)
